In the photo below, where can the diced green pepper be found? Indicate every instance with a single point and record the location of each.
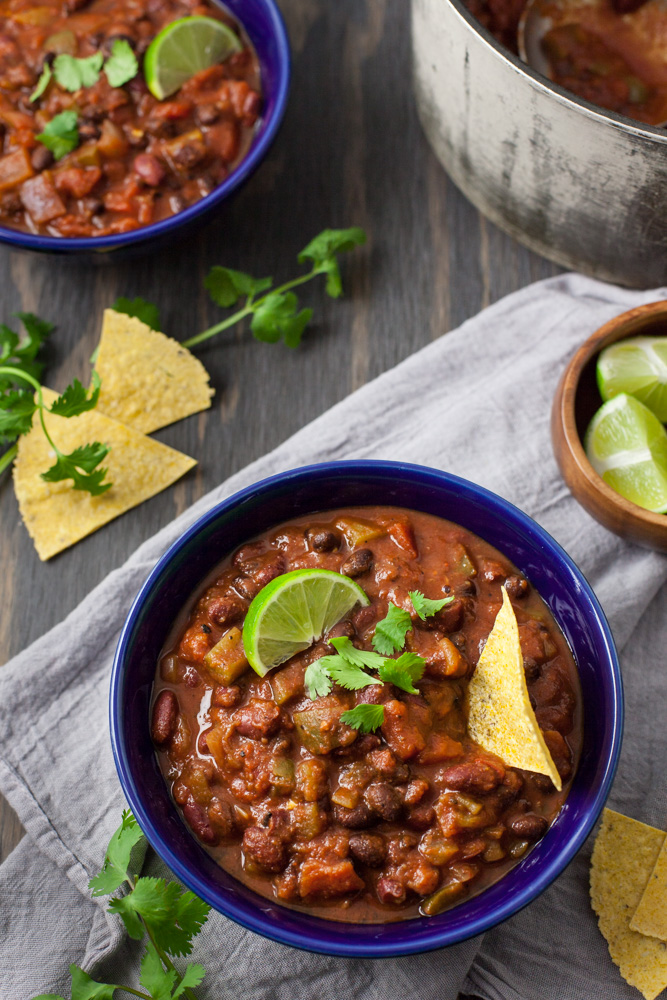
(287, 683)
(282, 775)
(226, 661)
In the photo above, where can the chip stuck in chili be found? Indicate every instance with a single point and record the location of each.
(501, 718)
(57, 516)
(148, 380)
(624, 856)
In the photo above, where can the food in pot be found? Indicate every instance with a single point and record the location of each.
(344, 781)
(87, 149)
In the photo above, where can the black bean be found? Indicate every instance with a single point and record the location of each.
(41, 158)
(368, 848)
(516, 586)
(358, 818)
(358, 563)
(384, 800)
(530, 826)
(321, 540)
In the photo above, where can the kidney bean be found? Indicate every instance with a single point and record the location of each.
(265, 848)
(471, 776)
(384, 800)
(363, 619)
(149, 169)
(202, 745)
(390, 890)
(368, 848)
(358, 818)
(529, 826)
(421, 817)
(358, 563)
(257, 719)
(226, 697)
(246, 557)
(510, 787)
(516, 586)
(197, 818)
(165, 714)
(322, 540)
(41, 158)
(226, 611)
(559, 751)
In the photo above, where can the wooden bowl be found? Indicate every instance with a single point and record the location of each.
(577, 399)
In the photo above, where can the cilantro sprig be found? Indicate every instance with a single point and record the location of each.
(348, 666)
(18, 404)
(61, 134)
(73, 73)
(274, 311)
(161, 912)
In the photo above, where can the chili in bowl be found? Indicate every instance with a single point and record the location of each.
(276, 883)
(99, 151)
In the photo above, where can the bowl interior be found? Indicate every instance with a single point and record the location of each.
(317, 488)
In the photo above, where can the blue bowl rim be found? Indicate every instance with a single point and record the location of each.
(69, 245)
(316, 941)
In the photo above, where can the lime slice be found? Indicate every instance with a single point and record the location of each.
(637, 366)
(182, 49)
(627, 445)
(294, 611)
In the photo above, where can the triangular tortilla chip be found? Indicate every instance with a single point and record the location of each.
(501, 717)
(624, 855)
(148, 380)
(56, 515)
(651, 914)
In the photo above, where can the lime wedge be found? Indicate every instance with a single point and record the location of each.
(293, 611)
(637, 366)
(182, 49)
(627, 445)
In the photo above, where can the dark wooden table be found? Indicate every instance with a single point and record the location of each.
(351, 152)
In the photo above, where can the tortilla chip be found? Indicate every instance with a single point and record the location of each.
(651, 914)
(624, 855)
(56, 515)
(148, 380)
(501, 717)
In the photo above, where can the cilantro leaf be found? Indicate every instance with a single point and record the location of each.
(364, 717)
(226, 286)
(145, 311)
(389, 635)
(173, 915)
(42, 83)
(85, 988)
(158, 981)
(16, 411)
(72, 74)
(424, 606)
(359, 657)
(347, 674)
(122, 65)
(192, 977)
(61, 134)
(81, 466)
(323, 250)
(49, 996)
(75, 400)
(409, 667)
(117, 859)
(317, 680)
(276, 318)
(36, 332)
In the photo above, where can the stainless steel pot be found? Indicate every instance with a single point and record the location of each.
(584, 187)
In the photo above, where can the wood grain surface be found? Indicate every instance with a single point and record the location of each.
(350, 152)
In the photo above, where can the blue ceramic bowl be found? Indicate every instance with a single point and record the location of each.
(236, 520)
(265, 28)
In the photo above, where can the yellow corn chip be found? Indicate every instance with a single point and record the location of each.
(501, 718)
(624, 855)
(651, 914)
(148, 380)
(57, 516)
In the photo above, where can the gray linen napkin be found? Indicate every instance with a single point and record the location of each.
(475, 403)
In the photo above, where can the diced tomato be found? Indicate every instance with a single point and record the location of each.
(77, 181)
(40, 198)
(15, 168)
